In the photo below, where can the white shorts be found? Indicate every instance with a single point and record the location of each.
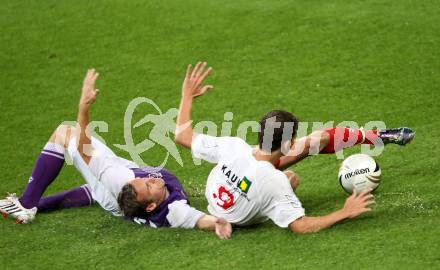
(100, 193)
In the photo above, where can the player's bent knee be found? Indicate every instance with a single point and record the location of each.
(63, 134)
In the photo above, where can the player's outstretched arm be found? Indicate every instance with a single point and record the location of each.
(88, 97)
(354, 206)
(192, 87)
(222, 228)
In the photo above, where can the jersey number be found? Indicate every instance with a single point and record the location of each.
(225, 199)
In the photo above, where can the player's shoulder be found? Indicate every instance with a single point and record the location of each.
(232, 140)
(268, 169)
(212, 141)
(272, 177)
(233, 145)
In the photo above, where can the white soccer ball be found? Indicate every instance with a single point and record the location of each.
(359, 172)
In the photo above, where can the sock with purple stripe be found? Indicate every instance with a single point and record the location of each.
(77, 197)
(46, 169)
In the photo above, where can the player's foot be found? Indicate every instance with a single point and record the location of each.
(401, 136)
(11, 207)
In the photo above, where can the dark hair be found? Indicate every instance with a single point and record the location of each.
(278, 122)
(130, 206)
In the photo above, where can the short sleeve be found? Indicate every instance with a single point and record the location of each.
(206, 147)
(213, 149)
(182, 215)
(283, 206)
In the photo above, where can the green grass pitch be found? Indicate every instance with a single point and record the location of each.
(323, 60)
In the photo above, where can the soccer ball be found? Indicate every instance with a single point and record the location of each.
(359, 172)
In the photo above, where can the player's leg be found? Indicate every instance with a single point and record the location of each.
(331, 140)
(47, 167)
(76, 197)
(99, 191)
(303, 147)
(341, 137)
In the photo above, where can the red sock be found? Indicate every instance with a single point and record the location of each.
(341, 138)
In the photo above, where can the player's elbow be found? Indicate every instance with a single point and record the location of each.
(185, 137)
(298, 229)
(302, 226)
(206, 222)
(177, 139)
(182, 140)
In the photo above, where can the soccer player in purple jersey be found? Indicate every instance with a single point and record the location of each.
(149, 196)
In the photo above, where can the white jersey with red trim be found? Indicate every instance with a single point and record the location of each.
(242, 189)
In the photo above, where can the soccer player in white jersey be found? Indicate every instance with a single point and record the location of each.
(150, 196)
(245, 187)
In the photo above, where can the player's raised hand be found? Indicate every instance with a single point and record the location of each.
(89, 93)
(358, 203)
(223, 229)
(193, 84)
